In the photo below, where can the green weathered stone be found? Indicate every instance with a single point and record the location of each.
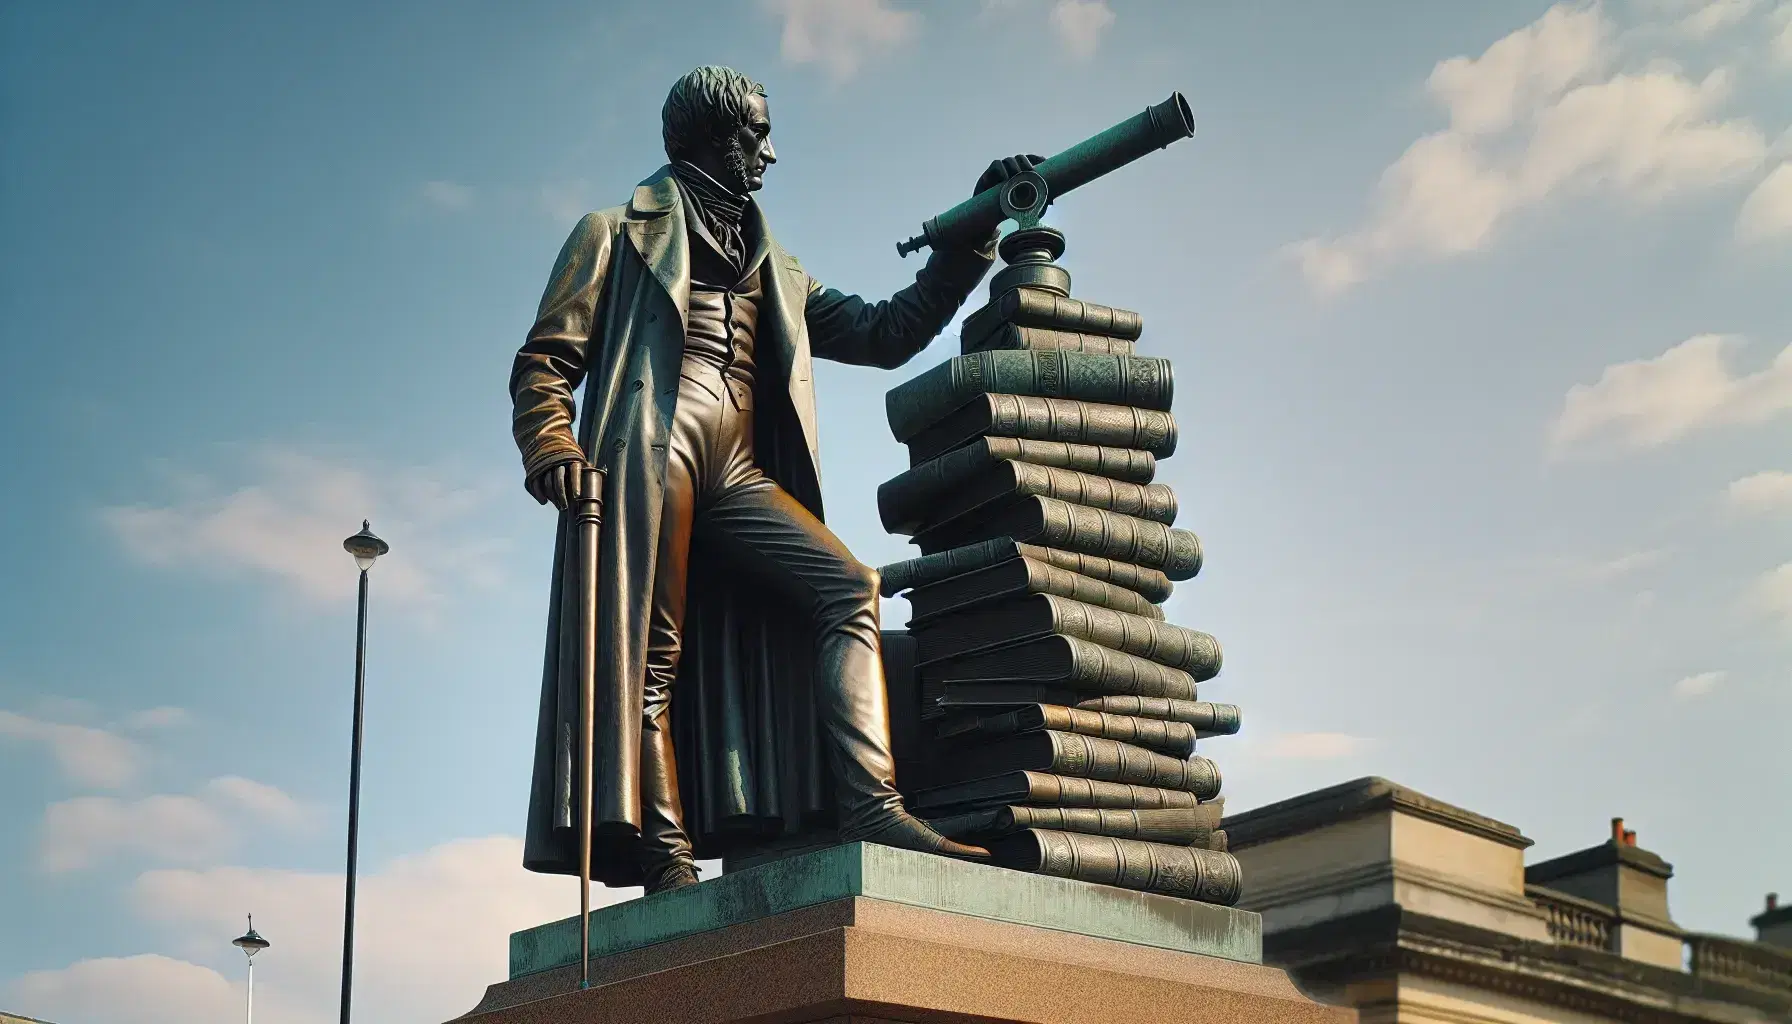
(897, 876)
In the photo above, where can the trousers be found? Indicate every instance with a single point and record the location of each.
(715, 489)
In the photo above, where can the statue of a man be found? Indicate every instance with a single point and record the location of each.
(693, 332)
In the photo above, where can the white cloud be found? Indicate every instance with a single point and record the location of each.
(1781, 22)
(158, 718)
(840, 34)
(145, 989)
(1315, 746)
(1539, 114)
(86, 755)
(1767, 212)
(446, 195)
(1623, 565)
(1768, 491)
(1689, 387)
(173, 828)
(1713, 16)
(1080, 24)
(1772, 593)
(1693, 687)
(288, 522)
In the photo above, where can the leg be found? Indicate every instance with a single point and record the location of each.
(666, 860)
(774, 538)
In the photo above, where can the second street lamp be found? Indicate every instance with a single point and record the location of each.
(366, 548)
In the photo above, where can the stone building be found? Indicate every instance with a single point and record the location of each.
(1412, 910)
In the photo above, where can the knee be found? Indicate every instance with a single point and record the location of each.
(850, 596)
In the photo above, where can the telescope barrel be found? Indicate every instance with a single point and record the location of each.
(971, 221)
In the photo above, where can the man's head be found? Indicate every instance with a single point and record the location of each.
(717, 119)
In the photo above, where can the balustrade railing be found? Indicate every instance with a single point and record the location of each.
(1740, 962)
(1576, 922)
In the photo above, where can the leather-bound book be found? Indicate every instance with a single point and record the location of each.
(1208, 719)
(1002, 623)
(1036, 307)
(1083, 757)
(922, 401)
(1046, 419)
(1091, 531)
(1042, 789)
(1185, 871)
(1217, 841)
(1066, 662)
(1019, 576)
(1151, 584)
(904, 502)
(1174, 739)
(1010, 336)
(984, 492)
(1177, 826)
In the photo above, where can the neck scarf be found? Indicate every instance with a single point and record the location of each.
(721, 208)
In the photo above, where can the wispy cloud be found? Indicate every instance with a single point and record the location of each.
(87, 755)
(841, 35)
(1690, 387)
(286, 519)
(446, 195)
(1713, 16)
(1772, 594)
(1766, 214)
(171, 828)
(1314, 746)
(1768, 491)
(1078, 25)
(1694, 687)
(1540, 113)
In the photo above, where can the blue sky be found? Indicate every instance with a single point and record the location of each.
(1481, 331)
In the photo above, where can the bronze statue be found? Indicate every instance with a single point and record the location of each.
(723, 595)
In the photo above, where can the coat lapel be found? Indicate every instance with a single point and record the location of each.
(655, 226)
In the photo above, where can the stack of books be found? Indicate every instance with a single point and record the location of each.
(1059, 709)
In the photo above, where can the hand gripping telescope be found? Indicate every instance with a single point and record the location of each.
(1024, 197)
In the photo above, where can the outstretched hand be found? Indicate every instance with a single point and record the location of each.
(557, 485)
(1005, 168)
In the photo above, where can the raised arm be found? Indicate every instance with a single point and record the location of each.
(553, 361)
(848, 329)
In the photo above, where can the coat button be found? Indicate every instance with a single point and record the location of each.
(637, 385)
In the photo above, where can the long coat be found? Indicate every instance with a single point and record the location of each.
(613, 315)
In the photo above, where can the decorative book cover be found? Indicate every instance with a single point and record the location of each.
(1175, 826)
(1010, 336)
(1028, 417)
(1204, 875)
(1020, 576)
(1172, 739)
(1043, 789)
(1151, 584)
(1051, 523)
(1036, 307)
(916, 404)
(1064, 661)
(1090, 757)
(1003, 623)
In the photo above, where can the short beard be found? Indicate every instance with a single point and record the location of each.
(734, 158)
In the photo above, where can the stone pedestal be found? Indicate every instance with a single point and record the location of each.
(868, 934)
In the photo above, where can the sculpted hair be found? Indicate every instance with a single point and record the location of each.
(704, 107)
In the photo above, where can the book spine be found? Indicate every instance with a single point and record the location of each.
(1046, 578)
(1052, 419)
(1194, 652)
(1204, 875)
(1110, 761)
(1065, 791)
(918, 572)
(1034, 307)
(1128, 464)
(1122, 380)
(1122, 674)
(1176, 826)
(1173, 739)
(1154, 502)
(1148, 583)
(1013, 337)
(1175, 553)
(1206, 718)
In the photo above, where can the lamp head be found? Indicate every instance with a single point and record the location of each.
(251, 941)
(365, 547)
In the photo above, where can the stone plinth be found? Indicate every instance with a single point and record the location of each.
(865, 934)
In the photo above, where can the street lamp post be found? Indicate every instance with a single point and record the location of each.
(366, 548)
(250, 943)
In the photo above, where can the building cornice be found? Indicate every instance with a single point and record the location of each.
(1592, 859)
(1352, 799)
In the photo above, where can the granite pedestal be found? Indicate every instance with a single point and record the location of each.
(867, 934)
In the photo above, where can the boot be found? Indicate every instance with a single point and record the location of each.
(665, 851)
(855, 717)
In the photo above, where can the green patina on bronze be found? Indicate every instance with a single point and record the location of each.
(896, 876)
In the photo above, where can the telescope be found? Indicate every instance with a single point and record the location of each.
(1025, 196)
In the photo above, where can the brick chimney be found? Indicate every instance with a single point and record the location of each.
(1631, 881)
(1773, 926)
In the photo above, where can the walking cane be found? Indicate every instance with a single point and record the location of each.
(587, 516)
